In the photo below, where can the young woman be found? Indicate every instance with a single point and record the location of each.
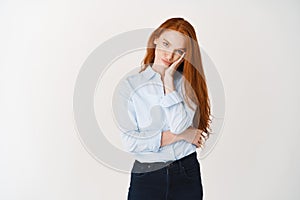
(165, 115)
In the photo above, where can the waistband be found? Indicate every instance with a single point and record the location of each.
(140, 167)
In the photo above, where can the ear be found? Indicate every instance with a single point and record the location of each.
(155, 41)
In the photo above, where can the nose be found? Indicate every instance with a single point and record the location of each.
(169, 55)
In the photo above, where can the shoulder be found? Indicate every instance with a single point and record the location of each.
(135, 78)
(130, 82)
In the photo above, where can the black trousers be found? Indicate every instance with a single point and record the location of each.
(178, 180)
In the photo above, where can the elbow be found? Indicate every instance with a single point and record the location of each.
(177, 131)
(129, 146)
(135, 147)
(180, 127)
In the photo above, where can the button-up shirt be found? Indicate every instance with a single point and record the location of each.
(143, 111)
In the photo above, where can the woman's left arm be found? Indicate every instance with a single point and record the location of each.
(178, 114)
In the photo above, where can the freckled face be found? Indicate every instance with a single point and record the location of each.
(170, 45)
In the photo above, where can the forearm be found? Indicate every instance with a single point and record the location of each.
(168, 84)
(167, 137)
(179, 116)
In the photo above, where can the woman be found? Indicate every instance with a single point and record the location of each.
(164, 115)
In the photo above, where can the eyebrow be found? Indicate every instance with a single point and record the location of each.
(171, 43)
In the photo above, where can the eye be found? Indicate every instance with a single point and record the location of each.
(180, 52)
(165, 44)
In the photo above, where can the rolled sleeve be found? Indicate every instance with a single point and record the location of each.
(171, 99)
(178, 114)
(134, 143)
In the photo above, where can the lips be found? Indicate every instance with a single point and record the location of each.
(166, 62)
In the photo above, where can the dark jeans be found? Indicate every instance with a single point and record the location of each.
(179, 180)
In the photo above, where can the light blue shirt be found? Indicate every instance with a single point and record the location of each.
(143, 112)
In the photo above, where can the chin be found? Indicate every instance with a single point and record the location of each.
(165, 64)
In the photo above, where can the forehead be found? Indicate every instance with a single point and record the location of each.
(177, 39)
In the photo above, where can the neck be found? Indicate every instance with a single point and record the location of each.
(159, 69)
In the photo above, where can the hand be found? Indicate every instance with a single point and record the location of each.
(169, 75)
(194, 136)
(170, 71)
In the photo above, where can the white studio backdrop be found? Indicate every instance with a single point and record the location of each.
(254, 44)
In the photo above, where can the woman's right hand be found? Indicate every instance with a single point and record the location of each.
(194, 136)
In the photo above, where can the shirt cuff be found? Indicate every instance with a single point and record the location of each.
(171, 99)
(156, 142)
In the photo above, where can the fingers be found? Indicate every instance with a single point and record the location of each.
(204, 135)
(199, 139)
(181, 57)
(175, 64)
(194, 136)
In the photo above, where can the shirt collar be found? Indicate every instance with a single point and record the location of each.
(148, 73)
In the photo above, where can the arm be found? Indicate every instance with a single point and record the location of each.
(178, 114)
(134, 140)
(168, 138)
(191, 135)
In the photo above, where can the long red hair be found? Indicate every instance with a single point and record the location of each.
(194, 83)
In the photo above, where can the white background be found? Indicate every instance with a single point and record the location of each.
(254, 44)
